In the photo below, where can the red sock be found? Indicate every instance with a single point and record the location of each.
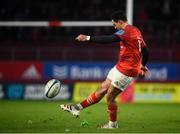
(92, 99)
(112, 109)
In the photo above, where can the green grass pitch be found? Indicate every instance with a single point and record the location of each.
(45, 116)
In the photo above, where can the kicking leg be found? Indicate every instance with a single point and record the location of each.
(90, 100)
(96, 96)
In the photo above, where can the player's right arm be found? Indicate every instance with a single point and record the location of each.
(98, 39)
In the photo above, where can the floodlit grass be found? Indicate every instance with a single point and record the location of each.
(45, 116)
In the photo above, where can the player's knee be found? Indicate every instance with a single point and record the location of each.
(104, 87)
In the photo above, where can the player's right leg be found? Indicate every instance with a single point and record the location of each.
(112, 108)
(118, 85)
(90, 100)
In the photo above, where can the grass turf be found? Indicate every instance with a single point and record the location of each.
(45, 116)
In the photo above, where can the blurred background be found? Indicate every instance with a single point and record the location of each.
(37, 44)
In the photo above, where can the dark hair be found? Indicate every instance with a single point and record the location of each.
(118, 15)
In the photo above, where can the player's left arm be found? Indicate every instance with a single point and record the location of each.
(98, 39)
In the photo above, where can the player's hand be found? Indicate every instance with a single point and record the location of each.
(82, 38)
(143, 71)
(144, 68)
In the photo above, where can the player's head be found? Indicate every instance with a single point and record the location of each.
(118, 19)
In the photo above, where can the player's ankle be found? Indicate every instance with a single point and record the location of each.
(78, 106)
(113, 123)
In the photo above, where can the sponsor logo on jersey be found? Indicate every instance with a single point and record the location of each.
(120, 32)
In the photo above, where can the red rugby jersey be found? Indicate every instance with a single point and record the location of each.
(130, 57)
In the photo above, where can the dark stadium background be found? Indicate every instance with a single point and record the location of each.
(158, 22)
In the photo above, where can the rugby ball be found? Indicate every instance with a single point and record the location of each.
(52, 88)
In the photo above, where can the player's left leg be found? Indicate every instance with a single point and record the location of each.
(90, 100)
(96, 96)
